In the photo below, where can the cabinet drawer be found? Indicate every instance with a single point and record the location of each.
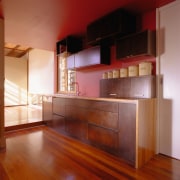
(77, 129)
(58, 106)
(47, 111)
(104, 106)
(102, 137)
(57, 123)
(78, 103)
(76, 113)
(103, 118)
(76, 123)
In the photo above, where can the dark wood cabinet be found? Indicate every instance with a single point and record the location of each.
(107, 27)
(58, 106)
(127, 132)
(103, 125)
(105, 119)
(97, 55)
(124, 128)
(69, 44)
(139, 44)
(76, 123)
(130, 87)
(103, 138)
(47, 109)
(57, 121)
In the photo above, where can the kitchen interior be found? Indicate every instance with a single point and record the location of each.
(109, 71)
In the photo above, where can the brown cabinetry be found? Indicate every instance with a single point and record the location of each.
(69, 44)
(97, 55)
(47, 109)
(103, 138)
(58, 114)
(103, 125)
(127, 132)
(130, 87)
(76, 122)
(124, 128)
(139, 44)
(115, 23)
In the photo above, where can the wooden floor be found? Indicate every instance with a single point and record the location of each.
(41, 154)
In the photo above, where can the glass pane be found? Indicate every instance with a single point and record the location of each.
(66, 77)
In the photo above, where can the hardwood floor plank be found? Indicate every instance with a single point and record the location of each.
(40, 153)
(3, 174)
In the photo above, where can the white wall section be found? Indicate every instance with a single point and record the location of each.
(41, 72)
(169, 85)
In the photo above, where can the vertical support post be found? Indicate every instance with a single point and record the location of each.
(2, 77)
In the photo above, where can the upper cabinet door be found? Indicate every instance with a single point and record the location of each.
(139, 44)
(88, 57)
(118, 22)
(97, 55)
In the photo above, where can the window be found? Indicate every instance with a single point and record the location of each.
(66, 77)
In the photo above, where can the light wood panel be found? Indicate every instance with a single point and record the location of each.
(145, 131)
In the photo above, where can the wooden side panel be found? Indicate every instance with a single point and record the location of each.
(146, 131)
(59, 106)
(47, 111)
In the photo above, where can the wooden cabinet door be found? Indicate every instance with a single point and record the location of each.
(104, 119)
(76, 123)
(103, 138)
(123, 48)
(140, 43)
(88, 57)
(47, 109)
(127, 132)
(58, 123)
(58, 106)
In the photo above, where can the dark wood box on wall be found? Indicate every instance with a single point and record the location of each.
(117, 23)
(130, 87)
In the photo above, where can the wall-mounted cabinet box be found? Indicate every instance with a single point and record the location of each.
(97, 55)
(118, 22)
(130, 87)
(70, 44)
(139, 44)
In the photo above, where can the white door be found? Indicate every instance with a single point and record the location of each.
(169, 85)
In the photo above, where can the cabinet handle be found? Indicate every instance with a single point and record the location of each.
(113, 94)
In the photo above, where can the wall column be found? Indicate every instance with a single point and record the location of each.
(2, 136)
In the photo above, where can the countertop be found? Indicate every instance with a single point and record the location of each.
(124, 100)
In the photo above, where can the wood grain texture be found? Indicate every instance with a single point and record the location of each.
(40, 153)
(145, 131)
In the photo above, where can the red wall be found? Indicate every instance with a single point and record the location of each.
(89, 79)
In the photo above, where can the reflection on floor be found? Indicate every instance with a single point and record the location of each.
(18, 115)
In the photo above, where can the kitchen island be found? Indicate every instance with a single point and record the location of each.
(125, 128)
